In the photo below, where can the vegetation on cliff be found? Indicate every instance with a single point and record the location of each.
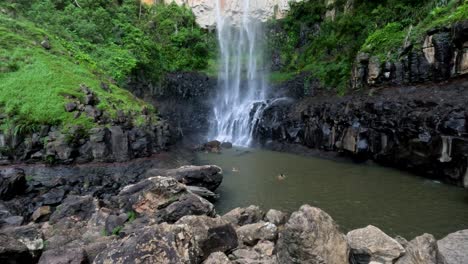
(325, 39)
(49, 48)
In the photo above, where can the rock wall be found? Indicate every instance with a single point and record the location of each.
(205, 10)
(185, 99)
(423, 129)
(443, 55)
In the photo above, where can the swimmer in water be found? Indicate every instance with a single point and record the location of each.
(234, 169)
(281, 177)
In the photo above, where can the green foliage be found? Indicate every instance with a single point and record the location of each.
(307, 41)
(116, 231)
(386, 40)
(36, 92)
(131, 216)
(121, 37)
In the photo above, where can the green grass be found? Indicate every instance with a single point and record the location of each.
(35, 83)
(385, 42)
(279, 77)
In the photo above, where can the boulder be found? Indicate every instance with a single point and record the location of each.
(208, 176)
(153, 244)
(311, 236)
(78, 207)
(251, 256)
(12, 183)
(211, 234)
(422, 250)
(64, 256)
(53, 197)
(217, 258)
(12, 251)
(70, 107)
(454, 247)
(243, 216)
(203, 192)
(276, 217)
(252, 233)
(41, 214)
(212, 146)
(371, 244)
(30, 236)
(164, 199)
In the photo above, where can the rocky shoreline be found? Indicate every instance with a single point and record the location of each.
(431, 140)
(164, 215)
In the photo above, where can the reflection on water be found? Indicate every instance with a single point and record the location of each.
(354, 195)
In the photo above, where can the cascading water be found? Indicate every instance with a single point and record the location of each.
(241, 80)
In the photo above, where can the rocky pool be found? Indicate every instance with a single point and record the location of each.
(355, 195)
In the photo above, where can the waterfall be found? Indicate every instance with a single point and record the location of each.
(241, 78)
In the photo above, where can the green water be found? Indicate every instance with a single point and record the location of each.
(354, 195)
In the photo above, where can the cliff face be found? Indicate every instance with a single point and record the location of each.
(205, 10)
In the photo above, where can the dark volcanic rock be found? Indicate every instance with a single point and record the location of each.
(155, 244)
(80, 207)
(208, 176)
(64, 255)
(12, 183)
(244, 216)
(12, 251)
(211, 234)
(164, 199)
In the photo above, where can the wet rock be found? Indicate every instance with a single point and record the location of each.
(64, 256)
(155, 244)
(422, 250)
(78, 207)
(371, 244)
(119, 143)
(12, 251)
(252, 233)
(226, 145)
(454, 247)
(276, 217)
(208, 176)
(210, 234)
(311, 236)
(212, 146)
(12, 183)
(217, 258)
(243, 216)
(41, 214)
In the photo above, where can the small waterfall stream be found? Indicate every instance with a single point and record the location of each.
(241, 79)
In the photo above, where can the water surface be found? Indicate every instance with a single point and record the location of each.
(355, 195)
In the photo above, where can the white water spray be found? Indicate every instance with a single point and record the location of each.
(241, 80)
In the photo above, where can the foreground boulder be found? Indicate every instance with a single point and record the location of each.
(64, 255)
(164, 199)
(12, 251)
(154, 244)
(217, 258)
(422, 250)
(252, 233)
(371, 244)
(244, 216)
(454, 247)
(211, 235)
(311, 236)
(208, 176)
(78, 207)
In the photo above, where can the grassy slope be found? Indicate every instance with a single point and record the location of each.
(34, 81)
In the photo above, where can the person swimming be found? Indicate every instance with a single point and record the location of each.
(234, 169)
(281, 177)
